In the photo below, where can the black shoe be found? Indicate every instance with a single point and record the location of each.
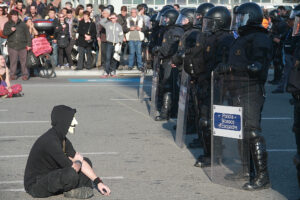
(257, 184)
(77, 69)
(195, 145)
(277, 91)
(203, 161)
(80, 193)
(130, 68)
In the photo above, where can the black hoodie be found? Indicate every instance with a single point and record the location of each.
(47, 153)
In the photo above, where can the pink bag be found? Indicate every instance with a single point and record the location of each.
(40, 46)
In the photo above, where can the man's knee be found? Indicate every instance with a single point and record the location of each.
(88, 161)
(64, 179)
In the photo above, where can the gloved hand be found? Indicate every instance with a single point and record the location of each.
(155, 50)
(223, 68)
(188, 51)
(255, 67)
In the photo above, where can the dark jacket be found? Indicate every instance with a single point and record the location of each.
(47, 152)
(18, 39)
(83, 29)
(122, 21)
(61, 34)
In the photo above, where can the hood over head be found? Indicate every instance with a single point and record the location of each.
(61, 118)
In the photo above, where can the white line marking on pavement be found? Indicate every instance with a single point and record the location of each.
(134, 110)
(88, 153)
(24, 122)
(128, 99)
(281, 150)
(16, 136)
(13, 190)
(276, 118)
(3, 110)
(104, 178)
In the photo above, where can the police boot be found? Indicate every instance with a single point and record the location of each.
(297, 164)
(205, 159)
(80, 193)
(243, 172)
(259, 155)
(166, 107)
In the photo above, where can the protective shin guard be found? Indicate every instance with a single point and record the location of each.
(166, 107)
(205, 160)
(259, 154)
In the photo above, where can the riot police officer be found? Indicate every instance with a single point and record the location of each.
(212, 48)
(246, 73)
(295, 90)
(201, 10)
(168, 85)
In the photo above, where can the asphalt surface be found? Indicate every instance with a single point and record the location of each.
(137, 156)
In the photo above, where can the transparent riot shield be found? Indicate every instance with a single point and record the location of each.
(229, 147)
(182, 109)
(141, 87)
(154, 88)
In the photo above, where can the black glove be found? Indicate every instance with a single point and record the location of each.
(155, 50)
(223, 68)
(255, 67)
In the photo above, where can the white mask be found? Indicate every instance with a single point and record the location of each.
(72, 126)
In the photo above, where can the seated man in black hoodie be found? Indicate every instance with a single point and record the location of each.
(54, 167)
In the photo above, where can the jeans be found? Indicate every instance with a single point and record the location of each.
(110, 62)
(82, 51)
(54, 54)
(135, 47)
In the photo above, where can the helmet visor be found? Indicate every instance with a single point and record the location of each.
(241, 20)
(164, 21)
(208, 25)
(158, 17)
(296, 29)
(182, 20)
(233, 25)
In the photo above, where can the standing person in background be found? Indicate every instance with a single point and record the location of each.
(52, 17)
(3, 20)
(69, 5)
(18, 42)
(89, 7)
(69, 21)
(87, 33)
(114, 37)
(177, 7)
(28, 4)
(135, 36)
(40, 8)
(122, 17)
(78, 17)
(33, 32)
(33, 13)
(62, 36)
(18, 7)
(98, 18)
(102, 35)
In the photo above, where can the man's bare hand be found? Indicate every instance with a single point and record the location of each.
(138, 28)
(173, 66)
(277, 40)
(13, 29)
(103, 189)
(132, 28)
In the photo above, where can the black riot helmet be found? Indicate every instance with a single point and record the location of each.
(201, 11)
(249, 14)
(295, 12)
(145, 8)
(274, 16)
(217, 18)
(186, 17)
(153, 20)
(166, 7)
(169, 17)
(111, 8)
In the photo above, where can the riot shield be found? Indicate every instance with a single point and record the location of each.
(141, 87)
(230, 152)
(154, 88)
(182, 109)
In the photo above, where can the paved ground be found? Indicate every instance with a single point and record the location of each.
(136, 156)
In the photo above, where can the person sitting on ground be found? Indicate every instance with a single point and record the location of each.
(6, 89)
(54, 167)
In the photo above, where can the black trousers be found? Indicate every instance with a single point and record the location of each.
(82, 51)
(64, 52)
(103, 53)
(59, 181)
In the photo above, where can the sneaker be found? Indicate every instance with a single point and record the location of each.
(66, 65)
(24, 78)
(62, 67)
(105, 75)
(80, 193)
(73, 67)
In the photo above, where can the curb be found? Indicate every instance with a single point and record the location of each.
(96, 72)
